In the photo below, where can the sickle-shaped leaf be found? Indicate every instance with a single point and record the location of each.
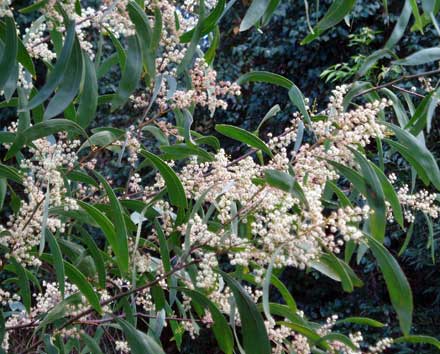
(287, 183)
(208, 24)
(119, 221)
(69, 85)
(96, 255)
(89, 97)
(253, 14)
(57, 74)
(243, 136)
(297, 99)
(399, 28)
(335, 14)
(131, 74)
(78, 278)
(419, 152)
(139, 342)
(267, 77)
(175, 189)
(57, 260)
(419, 339)
(41, 130)
(390, 194)
(423, 56)
(397, 284)
(221, 329)
(374, 195)
(362, 321)
(255, 339)
(143, 29)
(8, 60)
(109, 231)
(10, 173)
(23, 283)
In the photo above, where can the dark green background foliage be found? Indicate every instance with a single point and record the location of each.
(277, 49)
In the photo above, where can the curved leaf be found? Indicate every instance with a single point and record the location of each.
(131, 74)
(243, 136)
(397, 284)
(57, 74)
(265, 76)
(139, 342)
(175, 189)
(255, 339)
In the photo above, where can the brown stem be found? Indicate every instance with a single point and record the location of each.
(91, 310)
(403, 78)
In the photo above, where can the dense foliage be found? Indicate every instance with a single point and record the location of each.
(126, 230)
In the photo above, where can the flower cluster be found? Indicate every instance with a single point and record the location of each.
(44, 188)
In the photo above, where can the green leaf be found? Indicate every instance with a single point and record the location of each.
(221, 329)
(96, 255)
(273, 4)
(335, 14)
(139, 342)
(243, 136)
(362, 321)
(208, 24)
(418, 19)
(210, 53)
(407, 154)
(399, 28)
(423, 56)
(304, 330)
(253, 14)
(163, 247)
(57, 73)
(390, 194)
(397, 284)
(338, 337)
(285, 182)
(10, 173)
(69, 85)
(23, 284)
(419, 152)
(41, 130)
(91, 343)
(354, 177)
(267, 77)
(78, 278)
(255, 339)
(182, 151)
(33, 7)
(157, 30)
(271, 113)
(338, 270)
(109, 231)
(131, 74)
(419, 339)
(8, 59)
(89, 96)
(119, 222)
(58, 262)
(297, 99)
(143, 29)
(375, 196)
(175, 189)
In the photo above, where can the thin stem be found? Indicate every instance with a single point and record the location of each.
(91, 310)
(393, 82)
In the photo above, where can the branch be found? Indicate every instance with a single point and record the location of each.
(91, 310)
(403, 78)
